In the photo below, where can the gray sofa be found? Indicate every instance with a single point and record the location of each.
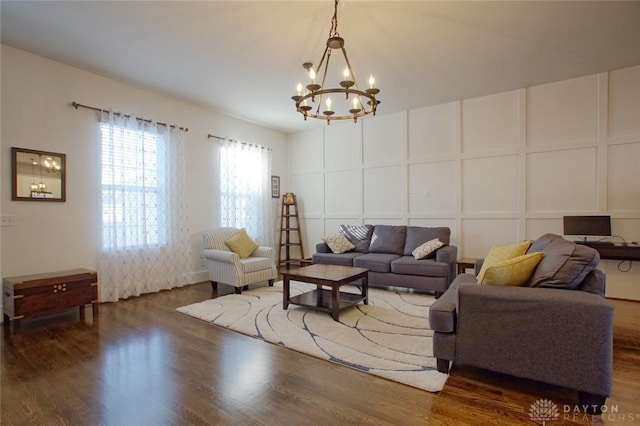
(556, 329)
(387, 252)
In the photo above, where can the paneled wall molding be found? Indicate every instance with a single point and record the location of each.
(621, 140)
(495, 169)
(569, 146)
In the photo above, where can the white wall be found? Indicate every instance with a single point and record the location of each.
(495, 169)
(36, 114)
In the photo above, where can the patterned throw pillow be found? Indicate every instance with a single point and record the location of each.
(427, 248)
(359, 235)
(338, 243)
(242, 244)
(512, 272)
(499, 254)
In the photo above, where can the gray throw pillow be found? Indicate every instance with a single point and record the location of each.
(565, 265)
(359, 235)
(541, 243)
(388, 239)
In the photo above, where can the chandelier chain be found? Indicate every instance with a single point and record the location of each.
(334, 21)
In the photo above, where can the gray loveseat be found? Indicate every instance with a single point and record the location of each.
(556, 329)
(387, 252)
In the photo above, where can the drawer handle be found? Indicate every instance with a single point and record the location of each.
(59, 287)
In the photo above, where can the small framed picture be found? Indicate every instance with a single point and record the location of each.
(275, 186)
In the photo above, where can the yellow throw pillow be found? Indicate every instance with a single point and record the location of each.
(512, 272)
(499, 254)
(242, 244)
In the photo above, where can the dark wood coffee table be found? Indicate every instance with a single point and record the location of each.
(333, 276)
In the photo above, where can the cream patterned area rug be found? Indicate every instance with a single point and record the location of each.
(389, 338)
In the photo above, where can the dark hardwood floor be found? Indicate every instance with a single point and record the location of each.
(142, 363)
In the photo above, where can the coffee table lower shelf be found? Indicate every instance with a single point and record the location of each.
(321, 300)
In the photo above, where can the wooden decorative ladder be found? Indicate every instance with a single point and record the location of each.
(290, 234)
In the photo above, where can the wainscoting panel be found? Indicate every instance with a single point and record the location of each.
(307, 187)
(432, 187)
(628, 228)
(563, 112)
(623, 168)
(379, 201)
(490, 185)
(384, 138)
(490, 123)
(535, 228)
(343, 145)
(482, 234)
(306, 151)
(433, 131)
(624, 102)
(562, 181)
(343, 193)
(312, 233)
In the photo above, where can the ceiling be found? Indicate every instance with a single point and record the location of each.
(245, 58)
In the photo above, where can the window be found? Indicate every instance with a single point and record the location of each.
(133, 193)
(245, 189)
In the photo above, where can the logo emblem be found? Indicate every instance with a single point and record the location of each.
(544, 410)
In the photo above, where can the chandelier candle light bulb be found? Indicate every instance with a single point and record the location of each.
(348, 86)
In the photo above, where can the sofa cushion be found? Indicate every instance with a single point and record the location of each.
(242, 244)
(426, 249)
(408, 265)
(375, 262)
(338, 243)
(344, 259)
(417, 235)
(513, 272)
(359, 235)
(388, 239)
(499, 254)
(565, 265)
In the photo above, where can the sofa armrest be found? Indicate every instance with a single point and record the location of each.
(323, 248)
(220, 256)
(569, 334)
(447, 254)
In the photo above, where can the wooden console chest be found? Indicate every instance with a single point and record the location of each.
(32, 295)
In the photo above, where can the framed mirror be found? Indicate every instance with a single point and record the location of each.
(37, 175)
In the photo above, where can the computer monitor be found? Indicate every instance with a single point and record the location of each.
(587, 226)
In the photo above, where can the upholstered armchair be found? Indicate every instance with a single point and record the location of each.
(228, 267)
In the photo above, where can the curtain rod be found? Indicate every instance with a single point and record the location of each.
(209, 136)
(76, 105)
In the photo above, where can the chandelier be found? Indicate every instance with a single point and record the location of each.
(315, 101)
(36, 187)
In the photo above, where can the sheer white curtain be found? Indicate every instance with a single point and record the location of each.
(245, 191)
(145, 243)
